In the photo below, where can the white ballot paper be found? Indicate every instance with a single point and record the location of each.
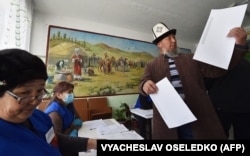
(111, 129)
(215, 47)
(170, 105)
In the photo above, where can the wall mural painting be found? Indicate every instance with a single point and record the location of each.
(97, 64)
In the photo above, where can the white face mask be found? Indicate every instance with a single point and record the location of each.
(69, 98)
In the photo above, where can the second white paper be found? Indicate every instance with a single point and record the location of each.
(170, 105)
(215, 47)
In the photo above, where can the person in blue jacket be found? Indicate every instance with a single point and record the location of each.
(143, 102)
(61, 109)
(24, 129)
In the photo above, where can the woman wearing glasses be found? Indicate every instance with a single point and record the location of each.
(25, 129)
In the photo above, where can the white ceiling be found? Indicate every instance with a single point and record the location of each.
(187, 16)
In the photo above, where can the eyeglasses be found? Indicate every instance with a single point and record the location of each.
(25, 100)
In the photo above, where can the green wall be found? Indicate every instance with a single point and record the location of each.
(115, 101)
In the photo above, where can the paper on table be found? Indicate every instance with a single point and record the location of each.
(147, 114)
(93, 124)
(171, 106)
(111, 129)
(128, 135)
(92, 152)
(215, 47)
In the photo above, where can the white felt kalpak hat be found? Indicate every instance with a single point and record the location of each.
(160, 31)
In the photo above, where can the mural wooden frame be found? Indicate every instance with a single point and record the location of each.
(109, 65)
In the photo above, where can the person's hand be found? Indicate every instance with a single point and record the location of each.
(149, 87)
(92, 144)
(239, 34)
(73, 133)
(77, 122)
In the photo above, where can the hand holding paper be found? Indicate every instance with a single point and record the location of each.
(171, 106)
(216, 45)
(239, 34)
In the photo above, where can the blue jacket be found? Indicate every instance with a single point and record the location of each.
(15, 139)
(144, 102)
(66, 113)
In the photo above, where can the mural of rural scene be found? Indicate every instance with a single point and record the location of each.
(96, 64)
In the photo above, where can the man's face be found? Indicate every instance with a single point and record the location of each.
(168, 44)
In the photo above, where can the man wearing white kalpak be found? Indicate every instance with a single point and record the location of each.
(186, 76)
